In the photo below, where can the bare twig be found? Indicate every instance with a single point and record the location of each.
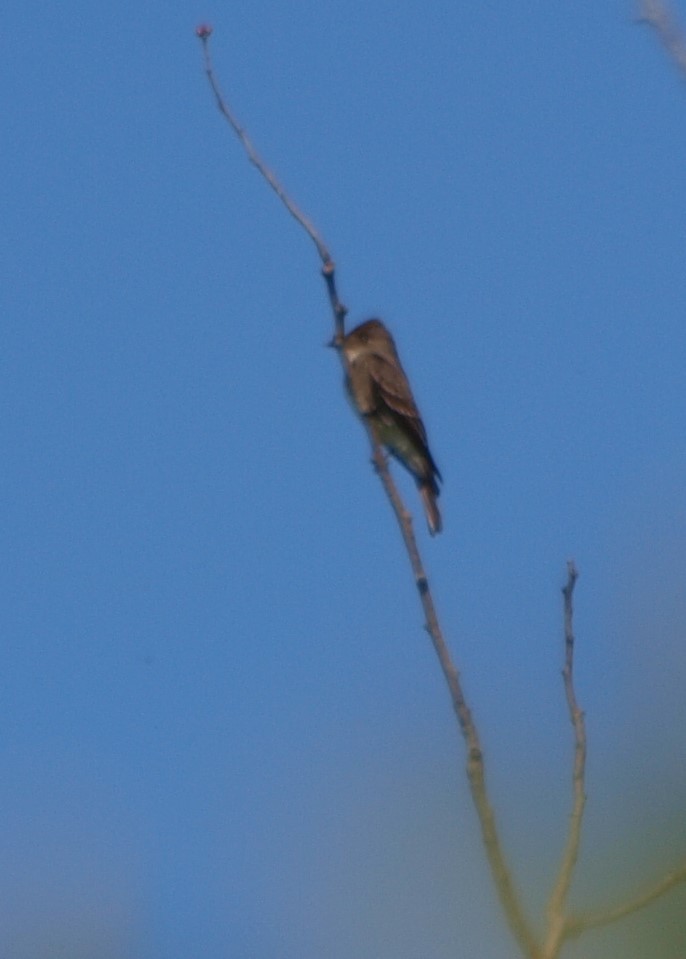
(561, 927)
(575, 925)
(558, 896)
(657, 15)
(204, 32)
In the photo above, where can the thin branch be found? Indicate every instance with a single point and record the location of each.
(507, 893)
(514, 912)
(560, 928)
(575, 925)
(560, 891)
(204, 32)
(658, 16)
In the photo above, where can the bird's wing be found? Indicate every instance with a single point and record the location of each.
(393, 391)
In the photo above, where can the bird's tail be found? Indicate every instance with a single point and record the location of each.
(429, 495)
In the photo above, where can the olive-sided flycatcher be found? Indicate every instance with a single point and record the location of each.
(381, 393)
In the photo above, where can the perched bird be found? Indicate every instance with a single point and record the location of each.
(382, 396)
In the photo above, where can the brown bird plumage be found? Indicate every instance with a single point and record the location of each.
(382, 395)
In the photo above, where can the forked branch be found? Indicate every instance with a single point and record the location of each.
(475, 765)
(560, 927)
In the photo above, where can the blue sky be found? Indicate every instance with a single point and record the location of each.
(222, 729)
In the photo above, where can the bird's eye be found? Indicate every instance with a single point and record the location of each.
(364, 336)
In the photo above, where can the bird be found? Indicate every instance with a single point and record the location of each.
(381, 394)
